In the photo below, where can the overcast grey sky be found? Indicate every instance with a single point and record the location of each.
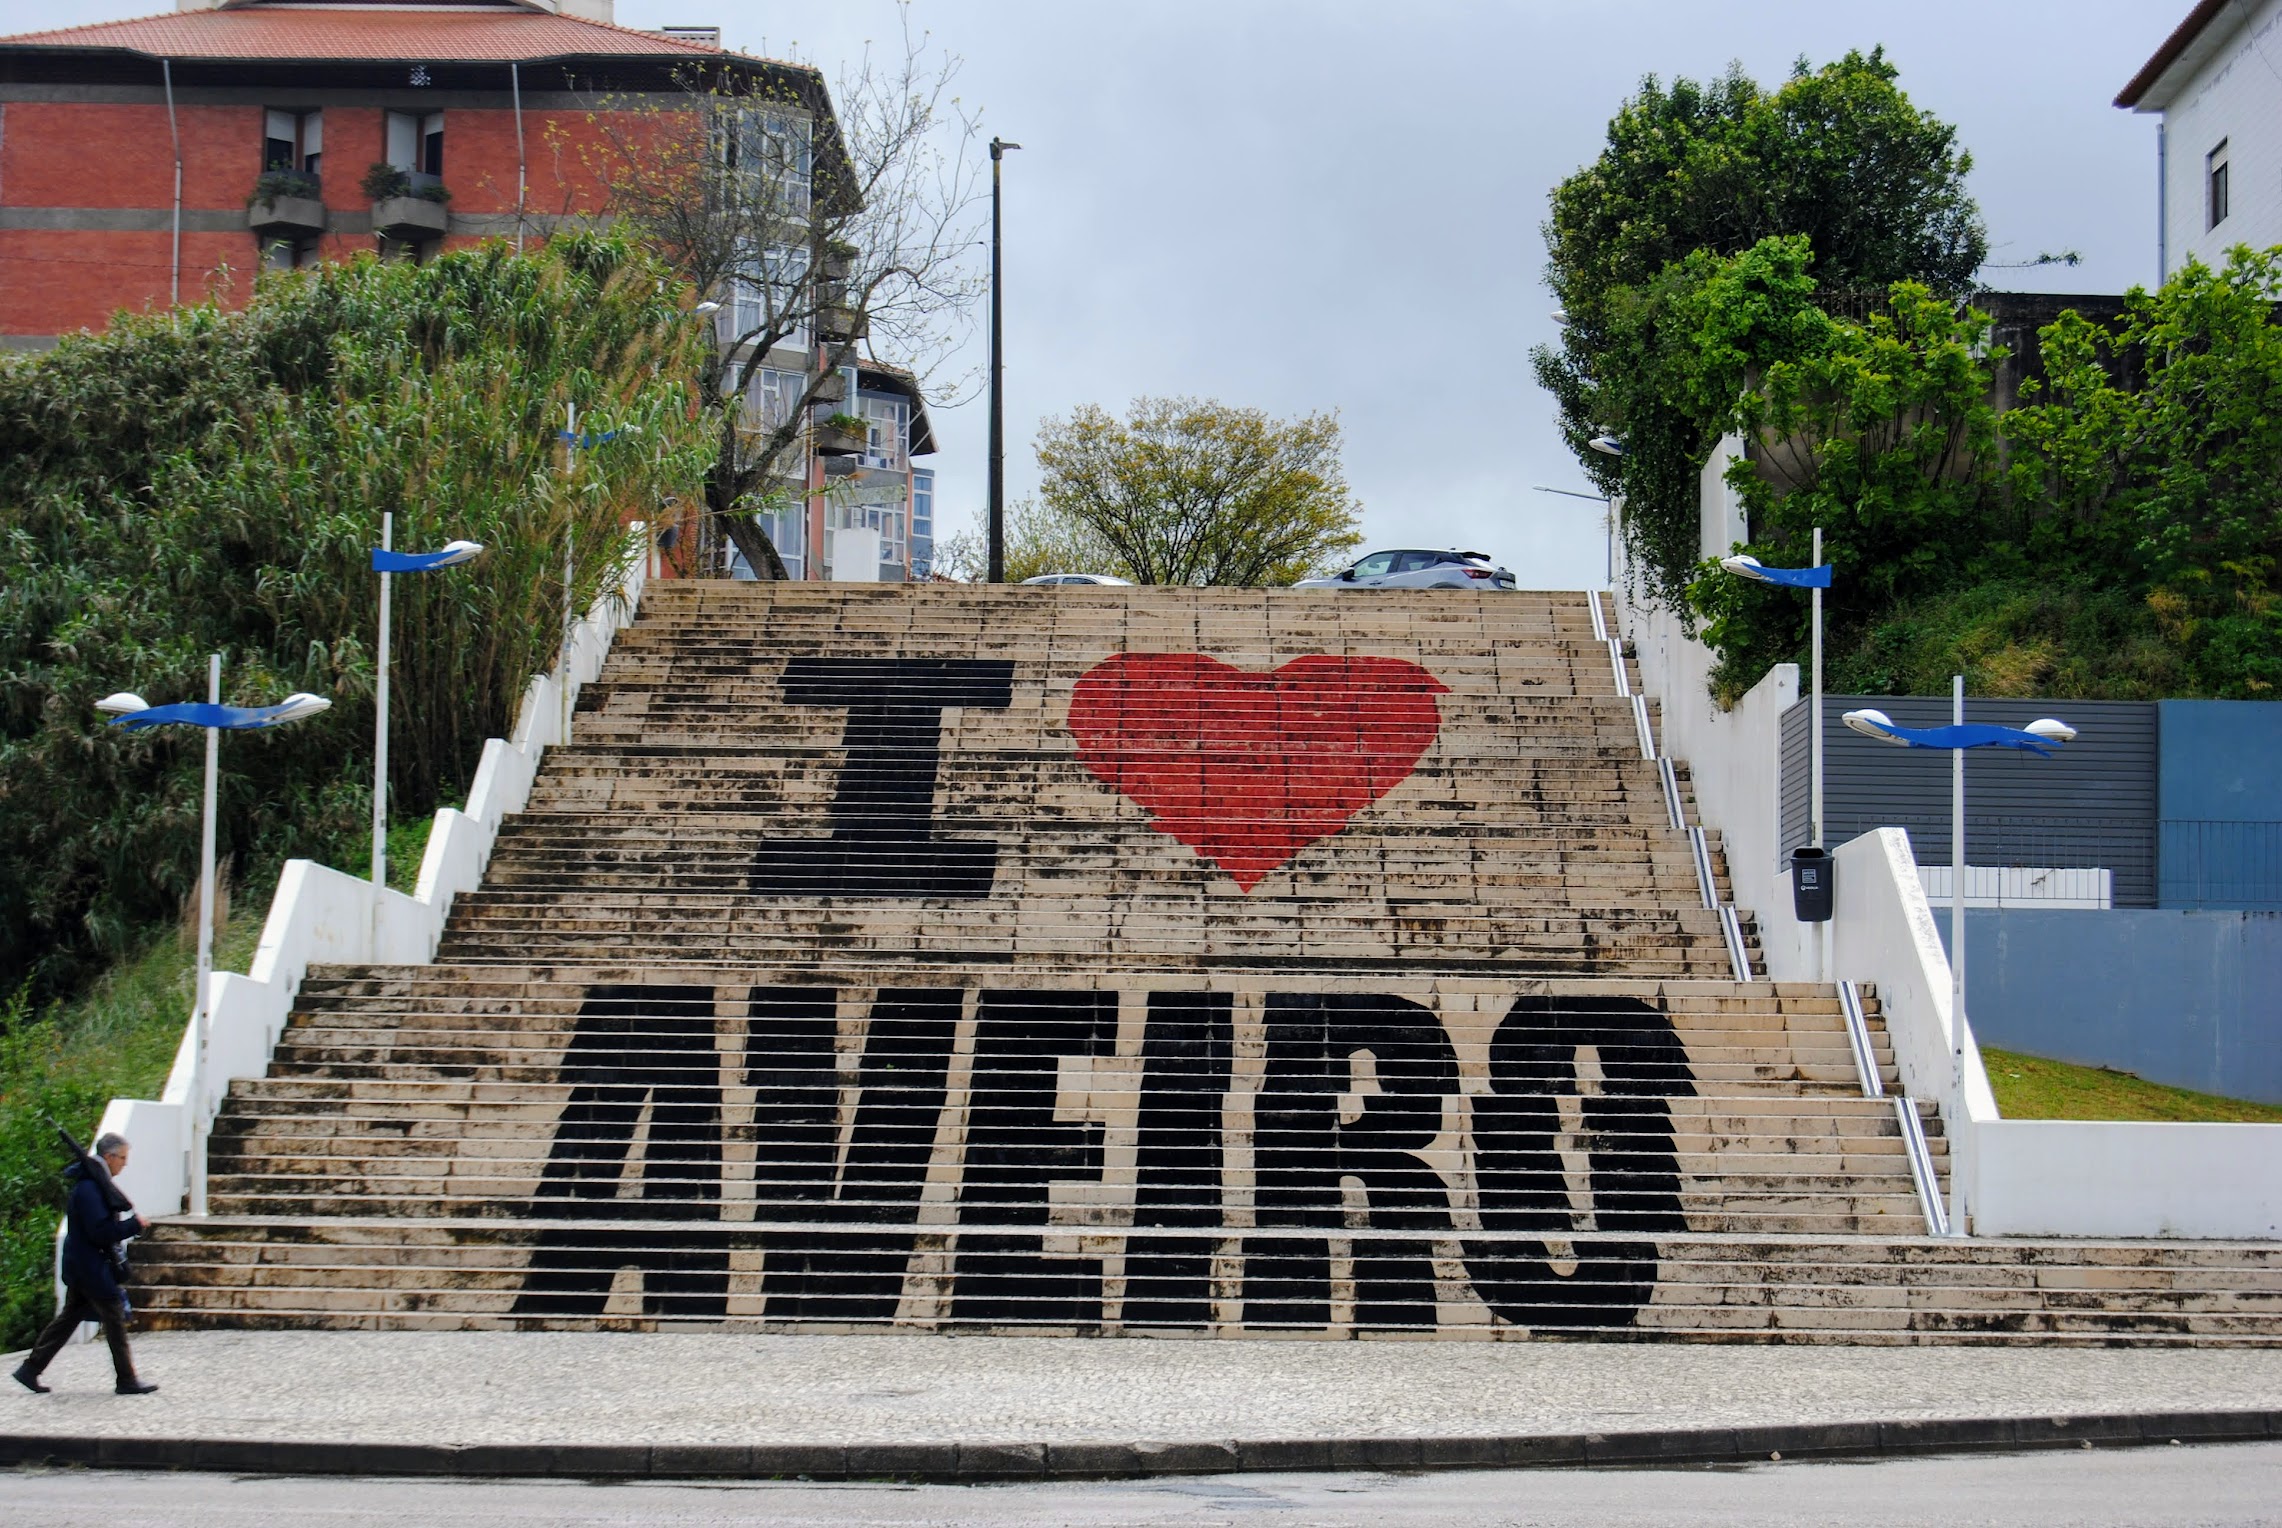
(1335, 204)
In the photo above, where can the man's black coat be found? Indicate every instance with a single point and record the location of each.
(94, 1228)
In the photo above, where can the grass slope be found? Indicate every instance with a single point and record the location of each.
(2030, 1087)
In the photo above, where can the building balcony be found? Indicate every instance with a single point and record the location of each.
(831, 441)
(287, 204)
(838, 325)
(409, 219)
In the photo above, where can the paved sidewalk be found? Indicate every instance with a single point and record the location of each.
(578, 1389)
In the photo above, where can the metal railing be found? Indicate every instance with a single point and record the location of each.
(2206, 863)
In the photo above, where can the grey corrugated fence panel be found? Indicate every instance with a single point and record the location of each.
(2188, 998)
(2092, 804)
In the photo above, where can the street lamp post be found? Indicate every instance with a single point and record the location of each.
(135, 714)
(1608, 522)
(387, 562)
(995, 527)
(1817, 579)
(2038, 737)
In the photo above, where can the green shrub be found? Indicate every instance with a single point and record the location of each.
(213, 481)
(383, 180)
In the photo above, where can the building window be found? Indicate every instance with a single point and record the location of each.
(290, 254)
(767, 152)
(764, 297)
(2215, 177)
(415, 145)
(293, 141)
(922, 522)
(772, 396)
(883, 420)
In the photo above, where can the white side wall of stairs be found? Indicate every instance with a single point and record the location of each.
(2018, 1177)
(324, 916)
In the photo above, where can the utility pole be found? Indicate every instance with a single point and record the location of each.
(995, 530)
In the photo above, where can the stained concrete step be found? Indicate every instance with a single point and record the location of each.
(789, 1275)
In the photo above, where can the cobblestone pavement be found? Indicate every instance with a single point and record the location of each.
(588, 1387)
(2187, 1487)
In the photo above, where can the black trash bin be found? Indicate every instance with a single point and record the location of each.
(1814, 878)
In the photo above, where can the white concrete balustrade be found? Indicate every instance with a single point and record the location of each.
(324, 916)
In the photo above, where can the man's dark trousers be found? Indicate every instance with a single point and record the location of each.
(81, 1305)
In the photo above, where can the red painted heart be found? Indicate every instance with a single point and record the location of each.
(1249, 769)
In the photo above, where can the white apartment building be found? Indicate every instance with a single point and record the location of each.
(2217, 85)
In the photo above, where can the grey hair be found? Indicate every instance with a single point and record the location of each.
(108, 1142)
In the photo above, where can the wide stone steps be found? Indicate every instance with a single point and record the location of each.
(789, 1275)
(421, 1092)
(967, 959)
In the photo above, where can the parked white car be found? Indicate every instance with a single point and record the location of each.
(1417, 569)
(1078, 578)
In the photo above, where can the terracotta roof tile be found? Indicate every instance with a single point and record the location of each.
(422, 34)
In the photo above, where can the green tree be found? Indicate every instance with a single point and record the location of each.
(1836, 156)
(1190, 491)
(212, 481)
(2152, 458)
(1880, 432)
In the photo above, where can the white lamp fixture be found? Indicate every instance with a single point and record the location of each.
(1875, 724)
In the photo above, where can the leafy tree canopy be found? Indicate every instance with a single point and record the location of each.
(207, 481)
(2118, 533)
(1189, 491)
(1837, 159)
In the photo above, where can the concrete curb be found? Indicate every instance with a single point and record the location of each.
(977, 1462)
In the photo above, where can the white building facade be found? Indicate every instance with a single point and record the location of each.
(2217, 84)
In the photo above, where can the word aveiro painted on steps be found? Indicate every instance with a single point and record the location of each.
(1342, 1118)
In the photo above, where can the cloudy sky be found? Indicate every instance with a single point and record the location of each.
(1335, 204)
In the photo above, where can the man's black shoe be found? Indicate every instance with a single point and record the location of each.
(137, 1387)
(30, 1381)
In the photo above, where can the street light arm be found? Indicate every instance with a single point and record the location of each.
(2040, 737)
(385, 561)
(1744, 565)
(227, 718)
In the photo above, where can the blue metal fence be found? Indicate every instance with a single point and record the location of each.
(2206, 863)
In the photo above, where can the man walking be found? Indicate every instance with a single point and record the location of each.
(92, 1260)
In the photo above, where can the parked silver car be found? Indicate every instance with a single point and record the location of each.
(1409, 569)
(1078, 578)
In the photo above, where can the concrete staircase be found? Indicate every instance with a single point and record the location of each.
(988, 959)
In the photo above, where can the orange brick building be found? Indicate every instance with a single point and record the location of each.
(166, 158)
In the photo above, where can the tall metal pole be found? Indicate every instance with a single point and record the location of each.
(199, 999)
(1956, 960)
(1822, 930)
(380, 740)
(995, 526)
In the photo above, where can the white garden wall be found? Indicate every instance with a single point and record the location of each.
(321, 916)
(1732, 758)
